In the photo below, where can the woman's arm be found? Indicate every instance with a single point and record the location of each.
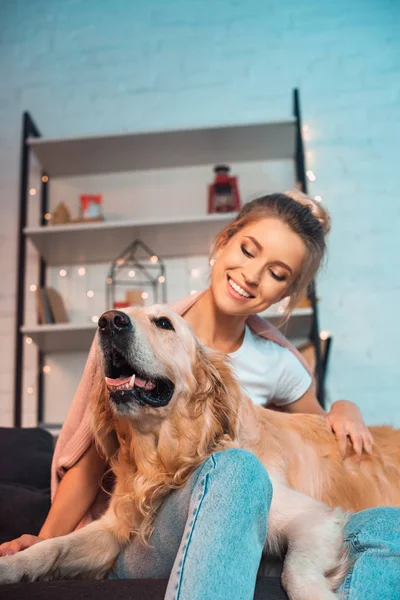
(344, 418)
(75, 495)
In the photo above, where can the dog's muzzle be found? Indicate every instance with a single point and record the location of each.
(125, 379)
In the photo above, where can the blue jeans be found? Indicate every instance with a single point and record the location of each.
(374, 538)
(209, 536)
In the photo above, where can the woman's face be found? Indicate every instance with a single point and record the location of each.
(255, 268)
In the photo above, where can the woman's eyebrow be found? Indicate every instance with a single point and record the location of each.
(255, 242)
(259, 247)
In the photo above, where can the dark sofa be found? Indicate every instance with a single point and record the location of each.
(25, 459)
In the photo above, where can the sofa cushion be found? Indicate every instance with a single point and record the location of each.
(25, 457)
(267, 588)
(23, 509)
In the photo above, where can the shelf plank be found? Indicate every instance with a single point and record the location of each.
(65, 157)
(75, 337)
(102, 242)
(61, 337)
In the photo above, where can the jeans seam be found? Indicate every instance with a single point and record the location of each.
(353, 540)
(189, 535)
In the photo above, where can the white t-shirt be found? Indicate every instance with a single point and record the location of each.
(268, 372)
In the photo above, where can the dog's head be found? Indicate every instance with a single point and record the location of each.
(152, 369)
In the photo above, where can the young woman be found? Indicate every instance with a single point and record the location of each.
(209, 535)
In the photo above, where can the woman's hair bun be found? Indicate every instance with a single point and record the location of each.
(316, 208)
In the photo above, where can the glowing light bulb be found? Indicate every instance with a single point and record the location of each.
(195, 273)
(90, 293)
(95, 318)
(154, 259)
(47, 216)
(318, 198)
(32, 192)
(28, 340)
(62, 272)
(30, 390)
(33, 287)
(45, 179)
(193, 292)
(109, 280)
(311, 175)
(46, 369)
(145, 295)
(132, 273)
(81, 271)
(161, 279)
(324, 335)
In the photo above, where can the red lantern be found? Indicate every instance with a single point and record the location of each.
(223, 194)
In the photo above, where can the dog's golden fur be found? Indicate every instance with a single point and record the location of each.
(148, 464)
(153, 450)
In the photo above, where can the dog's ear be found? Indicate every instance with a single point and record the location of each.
(218, 394)
(102, 417)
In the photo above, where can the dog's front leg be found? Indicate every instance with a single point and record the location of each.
(316, 560)
(89, 552)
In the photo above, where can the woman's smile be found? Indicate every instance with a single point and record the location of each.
(237, 291)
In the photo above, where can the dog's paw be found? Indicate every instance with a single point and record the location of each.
(12, 568)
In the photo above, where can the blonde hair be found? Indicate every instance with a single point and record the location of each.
(305, 216)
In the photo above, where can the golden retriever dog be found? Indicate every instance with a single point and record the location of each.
(161, 404)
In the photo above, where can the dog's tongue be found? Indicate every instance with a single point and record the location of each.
(138, 382)
(118, 381)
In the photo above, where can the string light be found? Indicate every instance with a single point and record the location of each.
(132, 273)
(145, 295)
(46, 369)
(81, 271)
(33, 287)
(120, 261)
(62, 272)
(90, 293)
(32, 192)
(45, 179)
(193, 292)
(28, 340)
(318, 198)
(212, 262)
(95, 318)
(305, 128)
(195, 273)
(161, 279)
(47, 216)
(281, 309)
(109, 280)
(324, 335)
(311, 176)
(154, 259)
(30, 390)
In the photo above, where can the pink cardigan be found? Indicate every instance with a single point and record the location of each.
(76, 436)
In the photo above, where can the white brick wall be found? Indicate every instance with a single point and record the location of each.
(86, 66)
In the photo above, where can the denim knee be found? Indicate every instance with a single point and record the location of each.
(375, 528)
(249, 475)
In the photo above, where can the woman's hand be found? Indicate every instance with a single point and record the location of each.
(21, 543)
(345, 420)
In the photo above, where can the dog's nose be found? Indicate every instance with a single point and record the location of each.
(114, 321)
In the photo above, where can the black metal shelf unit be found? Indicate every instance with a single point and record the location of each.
(30, 130)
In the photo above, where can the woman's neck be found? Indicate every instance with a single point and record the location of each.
(213, 328)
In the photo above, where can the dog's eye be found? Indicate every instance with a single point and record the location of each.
(163, 323)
